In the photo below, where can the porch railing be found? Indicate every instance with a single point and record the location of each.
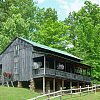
(38, 72)
(58, 73)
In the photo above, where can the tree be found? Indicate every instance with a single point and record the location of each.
(23, 18)
(85, 35)
(17, 18)
(51, 32)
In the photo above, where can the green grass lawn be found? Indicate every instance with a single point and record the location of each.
(10, 93)
(85, 96)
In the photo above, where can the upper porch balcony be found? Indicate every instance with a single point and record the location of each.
(51, 66)
(60, 74)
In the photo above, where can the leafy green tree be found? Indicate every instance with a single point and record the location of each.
(51, 32)
(23, 18)
(85, 35)
(17, 18)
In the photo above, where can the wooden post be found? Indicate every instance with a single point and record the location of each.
(43, 85)
(61, 93)
(88, 89)
(48, 94)
(44, 74)
(80, 90)
(54, 85)
(19, 84)
(54, 67)
(65, 66)
(54, 82)
(62, 84)
(44, 64)
(70, 84)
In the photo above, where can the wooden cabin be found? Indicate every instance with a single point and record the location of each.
(41, 67)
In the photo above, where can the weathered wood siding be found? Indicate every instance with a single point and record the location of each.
(20, 65)
(25, 61)
(7, 60)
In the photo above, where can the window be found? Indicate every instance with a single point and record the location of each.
(16, 68)
(16, 50)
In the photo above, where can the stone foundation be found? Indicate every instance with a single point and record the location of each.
(32, 85)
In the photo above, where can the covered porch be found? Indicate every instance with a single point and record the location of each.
(51, 71)
(54, 66)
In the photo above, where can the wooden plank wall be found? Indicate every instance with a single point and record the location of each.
(7, 60)
(24, 60)
(25, 64)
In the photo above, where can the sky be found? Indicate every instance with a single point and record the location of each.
(63, 7)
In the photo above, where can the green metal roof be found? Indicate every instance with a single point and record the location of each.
(49, 48)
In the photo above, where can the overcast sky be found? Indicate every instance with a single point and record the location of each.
(63, 7)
